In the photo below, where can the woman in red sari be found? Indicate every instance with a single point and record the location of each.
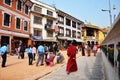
(71, 53)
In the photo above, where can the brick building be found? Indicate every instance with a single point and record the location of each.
(14, 22)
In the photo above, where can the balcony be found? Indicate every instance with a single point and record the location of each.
(49, 27)
(91, 38)
(36, 37)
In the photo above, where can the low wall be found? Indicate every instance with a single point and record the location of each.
(110, 72)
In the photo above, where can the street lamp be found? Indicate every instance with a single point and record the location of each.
(114, 8)
(109, 15)
(109, 10)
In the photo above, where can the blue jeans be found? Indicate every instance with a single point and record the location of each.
(40, 57)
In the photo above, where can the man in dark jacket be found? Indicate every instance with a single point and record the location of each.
(22, 50)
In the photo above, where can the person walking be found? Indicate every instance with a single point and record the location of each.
(55, 48)
(3, 53)
(30, 54)
(22, 51)
(18, 51)
(34, 51)
(88, 50)
(95, 48)
(83, 50)
(46, 51)
(40, 52)
(71, 53)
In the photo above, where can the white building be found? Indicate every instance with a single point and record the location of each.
(43, 19)
(69, 27)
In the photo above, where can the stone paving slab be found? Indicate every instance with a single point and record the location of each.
(89, 68)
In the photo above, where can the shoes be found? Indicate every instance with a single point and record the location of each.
(68, 73)
(30, 64)
(37, 64)
(3, 66)
(42, 64)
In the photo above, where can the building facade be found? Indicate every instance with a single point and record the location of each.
(14, 22)
(43, 19)
(69, 28)
(92, 34)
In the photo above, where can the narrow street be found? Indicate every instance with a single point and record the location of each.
(89, 68)
(18, 69)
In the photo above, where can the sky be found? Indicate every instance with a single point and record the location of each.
(88, 11)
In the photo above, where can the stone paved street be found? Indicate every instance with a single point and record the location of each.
(89, 68)
(18, 69)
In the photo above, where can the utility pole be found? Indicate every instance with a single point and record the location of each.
(109, 10)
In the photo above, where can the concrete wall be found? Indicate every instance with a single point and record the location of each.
(113, 37)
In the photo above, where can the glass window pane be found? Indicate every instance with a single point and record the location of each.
(6, 19)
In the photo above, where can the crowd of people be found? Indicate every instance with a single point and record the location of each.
(47, 53)
(72, 50)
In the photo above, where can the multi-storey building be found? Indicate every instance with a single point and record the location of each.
(14, 22)
(43, 19)
(92, 34)
(69, 27)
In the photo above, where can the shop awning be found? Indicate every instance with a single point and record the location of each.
(66, 38)
(63, 38)
(69, 38)
(45, 40)
(79, 40)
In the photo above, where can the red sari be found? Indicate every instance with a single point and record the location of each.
(71, 65)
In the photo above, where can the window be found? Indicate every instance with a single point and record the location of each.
(74, 34)
(68, 22)
(19, 5)
(68, 32)
(79, 35)
(50, 13)
(8, 2)
(73, 24)
(18, 23)
(26, 9)
(90, 32)
(6, 19)
(37, 32)
(49, 33)
(38, 9)
(49, 22)
(61, 31)
(37, 20)
(78, 26)
(25, 25)
(61, 19)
